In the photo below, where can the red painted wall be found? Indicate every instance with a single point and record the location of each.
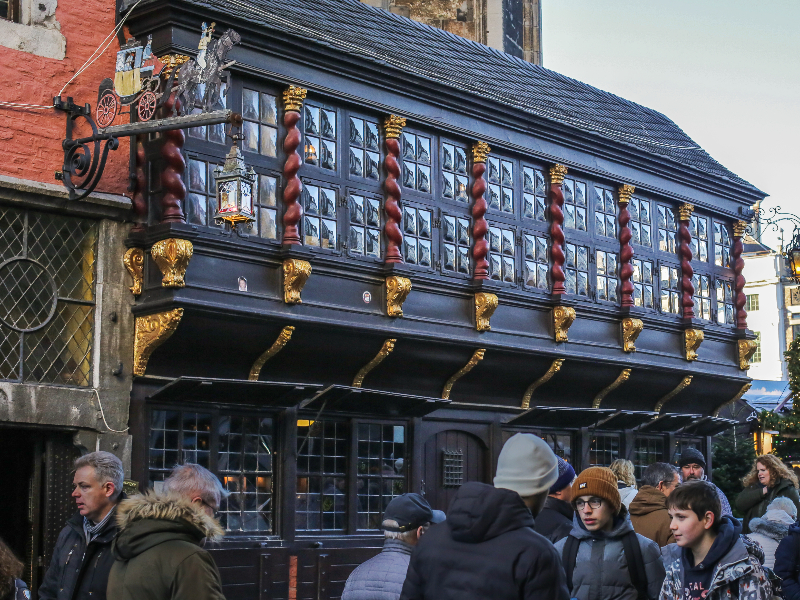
(30, 140)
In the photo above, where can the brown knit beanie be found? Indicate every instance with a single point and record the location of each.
(600, 482)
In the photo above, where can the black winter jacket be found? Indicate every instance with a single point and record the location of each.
(486, 549)
(555, 520)
(787, 566)
(78, 572)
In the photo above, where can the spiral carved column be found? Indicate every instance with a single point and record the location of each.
(172, 175)
(480, 247)
(139, 187)
(557, 174)
(625, 248)
(393, 127)
(292, 104)
(738, 266)
(685, 254)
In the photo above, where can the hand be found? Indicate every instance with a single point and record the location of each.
(764, 490)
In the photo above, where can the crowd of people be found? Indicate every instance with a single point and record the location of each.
(541, 531)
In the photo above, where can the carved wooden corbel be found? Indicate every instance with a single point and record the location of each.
(295, 275)
(477, 357)
(631, 328)
(385, 351)
(746, 350)
(397, 290)
(563, 316)
(283, 338)
(624, 375)
(554, 368)
(692, 339)
(172, 257)
(485, 305)
(677, 390)
(149, 333)
(134, 263)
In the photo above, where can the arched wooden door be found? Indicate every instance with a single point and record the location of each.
(451, 457)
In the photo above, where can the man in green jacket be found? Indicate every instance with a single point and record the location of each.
(159, 552)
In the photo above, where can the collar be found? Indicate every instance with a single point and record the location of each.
(93, 530)
(561, 506)
(392, 545)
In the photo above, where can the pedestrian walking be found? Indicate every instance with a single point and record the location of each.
(11, 586)
(487, 548)
(648, 510)
(82, 554)
(603, 557)
(406, 518)
(767, 531)
(555, 520)
(768, 479)
(159, 554)
(693, 467)
(787, 563)
(709, 559)
(626, 480)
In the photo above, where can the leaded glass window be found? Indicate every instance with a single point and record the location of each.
(725, 308)
(456, 244)
(177, 437)
(605, 213)
(751, 302)
(646, 452)
(47, 297)
(698, 227)
(260, 126)
(640, 223)
(756, 358)
(320, 130)
(722, 245)
(560, 444)
(319, 221)
(381, 470)
(500, 191)
(643, 283)
(211, 133)
(667, 229)
(536, 261)
(606, 275)
(417, 245)
(576, 270)
(364, 148)
(670, 290)
(266, 207)
(502, 265)
(321, 503)
(415, 151)
(702, 296)
(201, 201)
(455, 183)
(534, 197)
(574, 204)
(364, 236)
(604, 450)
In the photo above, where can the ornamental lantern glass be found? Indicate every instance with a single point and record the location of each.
(792, 254)
(235, 183)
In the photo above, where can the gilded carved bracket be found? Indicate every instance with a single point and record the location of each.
(738, 396)
(150, 332)
(563, 316)
(476, 358)
(134, 263)
(678, 389)
(624, 375)
(283, 338)
(692, 339)
(485, 305)
(295, 275)
(746, 350)
(554, 368)
(172, 257)
(631, 328)
(397, 290)
(385, 351)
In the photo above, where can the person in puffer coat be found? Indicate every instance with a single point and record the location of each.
(769, 530)
(787, 563)
(602, 569)
(406, 518)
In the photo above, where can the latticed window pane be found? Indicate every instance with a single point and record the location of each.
(381, 470)
(756, 358)
(574, 204)
(201, 200)
(177, 437)
(364, 235)
(560, 444)
(698, 227)
(455, 183)
(319, 221)
(752, 303)
(415, 152)
(725, 307)
(260, 127)
(321, 475)
(641, 222)
(670, 290)
(500, 191)
(667, 229)
(320, 143)
(502, 243)
(606, 275)
(604, 450)
(605, 213)
(266, 207)
(702, 297)
(646, 452)
(577, 270)
(642, 283)
(417, 245)
(722, 245)
(534, 197)
(536, 261)
(456, 244)
(364, 148)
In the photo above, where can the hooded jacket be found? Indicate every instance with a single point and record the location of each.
(486, 549)
(768, 531)
(787, 566)
(158, 551)
(555, 520)
(626, 493)
(601, 567)
(735, 573)
(649, 516)
(753, 502)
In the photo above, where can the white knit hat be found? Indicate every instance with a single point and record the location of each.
(526, 465)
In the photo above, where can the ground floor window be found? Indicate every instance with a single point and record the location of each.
(647, 450)
(604, 450)
(560, 444)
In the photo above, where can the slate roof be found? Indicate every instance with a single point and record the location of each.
(352, 27)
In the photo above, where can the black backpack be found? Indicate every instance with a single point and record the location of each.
(633, 556)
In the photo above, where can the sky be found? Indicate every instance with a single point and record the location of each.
(726, 71)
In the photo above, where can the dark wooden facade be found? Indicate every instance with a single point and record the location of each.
(312, 454)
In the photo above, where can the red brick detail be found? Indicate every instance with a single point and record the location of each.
(292, 578)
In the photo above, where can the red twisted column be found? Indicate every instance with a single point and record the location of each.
(625, 248)
(393, 127)
(739, 297)
(685, 253)
(172, 175)
(292, 103)
(139, 186)
(480, 247)
(557, 174)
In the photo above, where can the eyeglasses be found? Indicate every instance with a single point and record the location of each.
(593, 503)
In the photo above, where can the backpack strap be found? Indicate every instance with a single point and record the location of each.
(569, 555)
(633, 556)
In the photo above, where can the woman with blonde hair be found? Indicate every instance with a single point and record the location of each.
(768, 479)
(626, 480)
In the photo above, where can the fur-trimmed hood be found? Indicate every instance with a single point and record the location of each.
(774, 524)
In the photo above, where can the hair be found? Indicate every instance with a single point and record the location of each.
(784, 504)
(623, 471)
(409, 537)
(191, 480)
(10, 569)
(777, 470)
(698, 496)
(659, 473)
(107, 467)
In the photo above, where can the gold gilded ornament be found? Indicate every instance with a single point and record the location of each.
(685, 211)
(172, 61)
(485, 305)
(476, 358)
(134, 262)
(746, 350)
(677, 390)
(738, 396)
(172, 257)
(557, 174)
(739, 227)
(295, 275)
(150, 332)
(692, 339)
(554, 368)
(293, 97)
(283, 338)
(563, 316)
(621, 378)
(393, 126)
(625, 193)
(480, 152)
(631, 328)
(385, 351)
(397, 289)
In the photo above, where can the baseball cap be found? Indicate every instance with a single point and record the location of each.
(409, 511)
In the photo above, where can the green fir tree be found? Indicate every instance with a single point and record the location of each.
(733, 457)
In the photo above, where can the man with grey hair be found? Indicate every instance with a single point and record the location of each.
(82, 555)
(648, 509)
(158, 551)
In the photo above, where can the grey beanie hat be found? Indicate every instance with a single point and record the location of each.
(526, 465)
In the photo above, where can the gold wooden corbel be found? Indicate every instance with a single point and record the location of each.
(563, 316)
(485, 305)
(631, 328)
(149, 333)
(133, 260)
(738, 396)
(678, 389)
(283, 338)
(621, 378)
(295, 275)
(385, 351)
(397, 290)
(172, 257)
(554, 368)
(746, 350)
(476, 358)
(692, 339)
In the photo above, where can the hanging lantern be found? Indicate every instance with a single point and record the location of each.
(792, 254)
(235, 184)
